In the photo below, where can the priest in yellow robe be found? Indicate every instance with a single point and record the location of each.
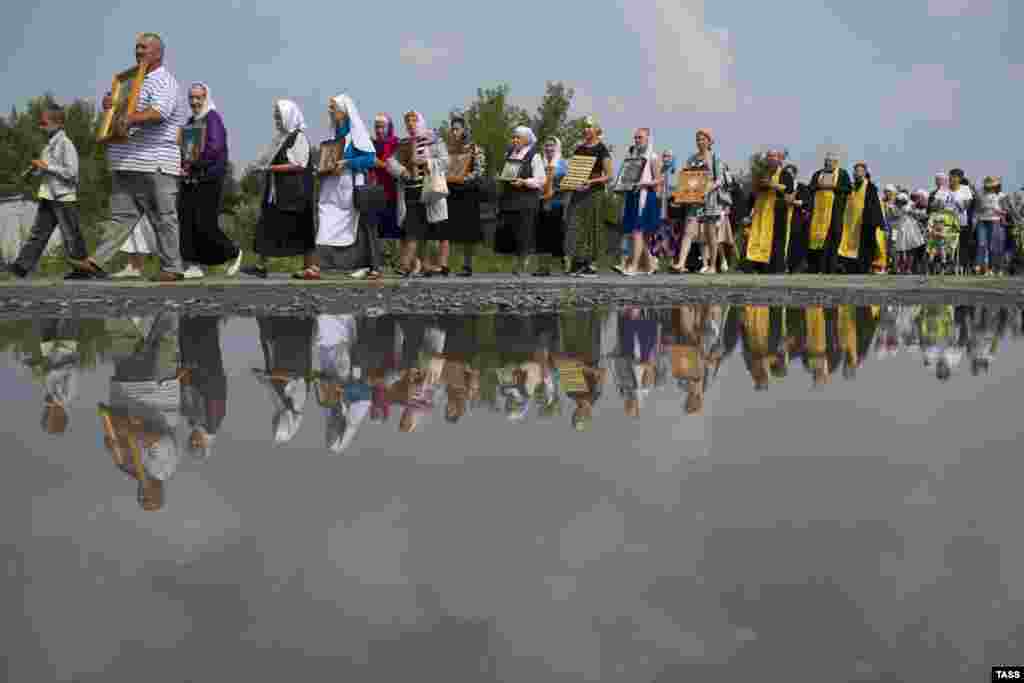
(766, 243)
(830, 186)
(862, 219)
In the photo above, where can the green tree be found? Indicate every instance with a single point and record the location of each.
(552, 117)
(492, 117)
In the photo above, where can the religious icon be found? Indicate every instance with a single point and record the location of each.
(193, 139)
(691, 187)
(330, 156)
(630, 173)
(124, 93)
(581, 167)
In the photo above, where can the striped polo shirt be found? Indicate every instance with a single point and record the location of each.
(154, 147)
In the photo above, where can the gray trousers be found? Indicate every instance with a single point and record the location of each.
(49, 215)
(154, 195)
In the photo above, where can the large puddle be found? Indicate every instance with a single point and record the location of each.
(687, 493)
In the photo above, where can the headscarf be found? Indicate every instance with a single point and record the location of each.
(420, 130)
(943, 180)
(208, 103)
(357, 132)
(386, 145)
(708, 134)
(458, 116)
(526, 132)
(292, 118)
(558, 151)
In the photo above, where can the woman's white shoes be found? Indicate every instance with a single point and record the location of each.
(235, 265)
(127, 272)
(194, 273)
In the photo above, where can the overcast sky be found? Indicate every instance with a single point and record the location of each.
(911, 86)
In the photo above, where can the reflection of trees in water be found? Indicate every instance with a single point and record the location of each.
(24, 338)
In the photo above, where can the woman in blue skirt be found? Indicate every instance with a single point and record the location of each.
(641, 214)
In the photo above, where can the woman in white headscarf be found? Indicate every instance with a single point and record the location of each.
(550, 240)
(342, 390)
(203, 243)
(343, 237)
(286, 221)
(288, 363)
(523, 181)
(204, 384)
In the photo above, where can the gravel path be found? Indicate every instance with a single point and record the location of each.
(484, 293)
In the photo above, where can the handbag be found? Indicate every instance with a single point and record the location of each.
(435, 187)
(369, 199)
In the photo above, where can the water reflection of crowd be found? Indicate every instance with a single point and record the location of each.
(945, 336)
(168, 390)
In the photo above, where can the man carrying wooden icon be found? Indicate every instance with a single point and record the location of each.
(145, 164)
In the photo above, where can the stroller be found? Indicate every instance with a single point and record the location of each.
(943, 243)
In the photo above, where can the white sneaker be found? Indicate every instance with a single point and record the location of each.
(128, 271)
(359, 274)
(724, 268)
(194, 272)
(235, 265)
(705, 270)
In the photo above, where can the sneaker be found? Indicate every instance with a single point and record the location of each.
(359, 274)
(17, 271)
(127, 272)
(724, 268)
(587, 271)
(235, 265)
(194, 272)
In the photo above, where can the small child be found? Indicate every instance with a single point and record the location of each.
(991, 215)
(907, 236)
(58, 199)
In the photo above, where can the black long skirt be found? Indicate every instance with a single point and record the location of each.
(202, 240)
(551, 232)
(516, 232)
(463, 224)
(285, 233)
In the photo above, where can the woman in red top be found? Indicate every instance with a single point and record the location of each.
(386, 142)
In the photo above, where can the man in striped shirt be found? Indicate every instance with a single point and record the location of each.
(147, 166)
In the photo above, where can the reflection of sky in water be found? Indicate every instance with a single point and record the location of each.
(868, 528)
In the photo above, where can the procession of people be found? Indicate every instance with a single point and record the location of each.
(425, 187)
